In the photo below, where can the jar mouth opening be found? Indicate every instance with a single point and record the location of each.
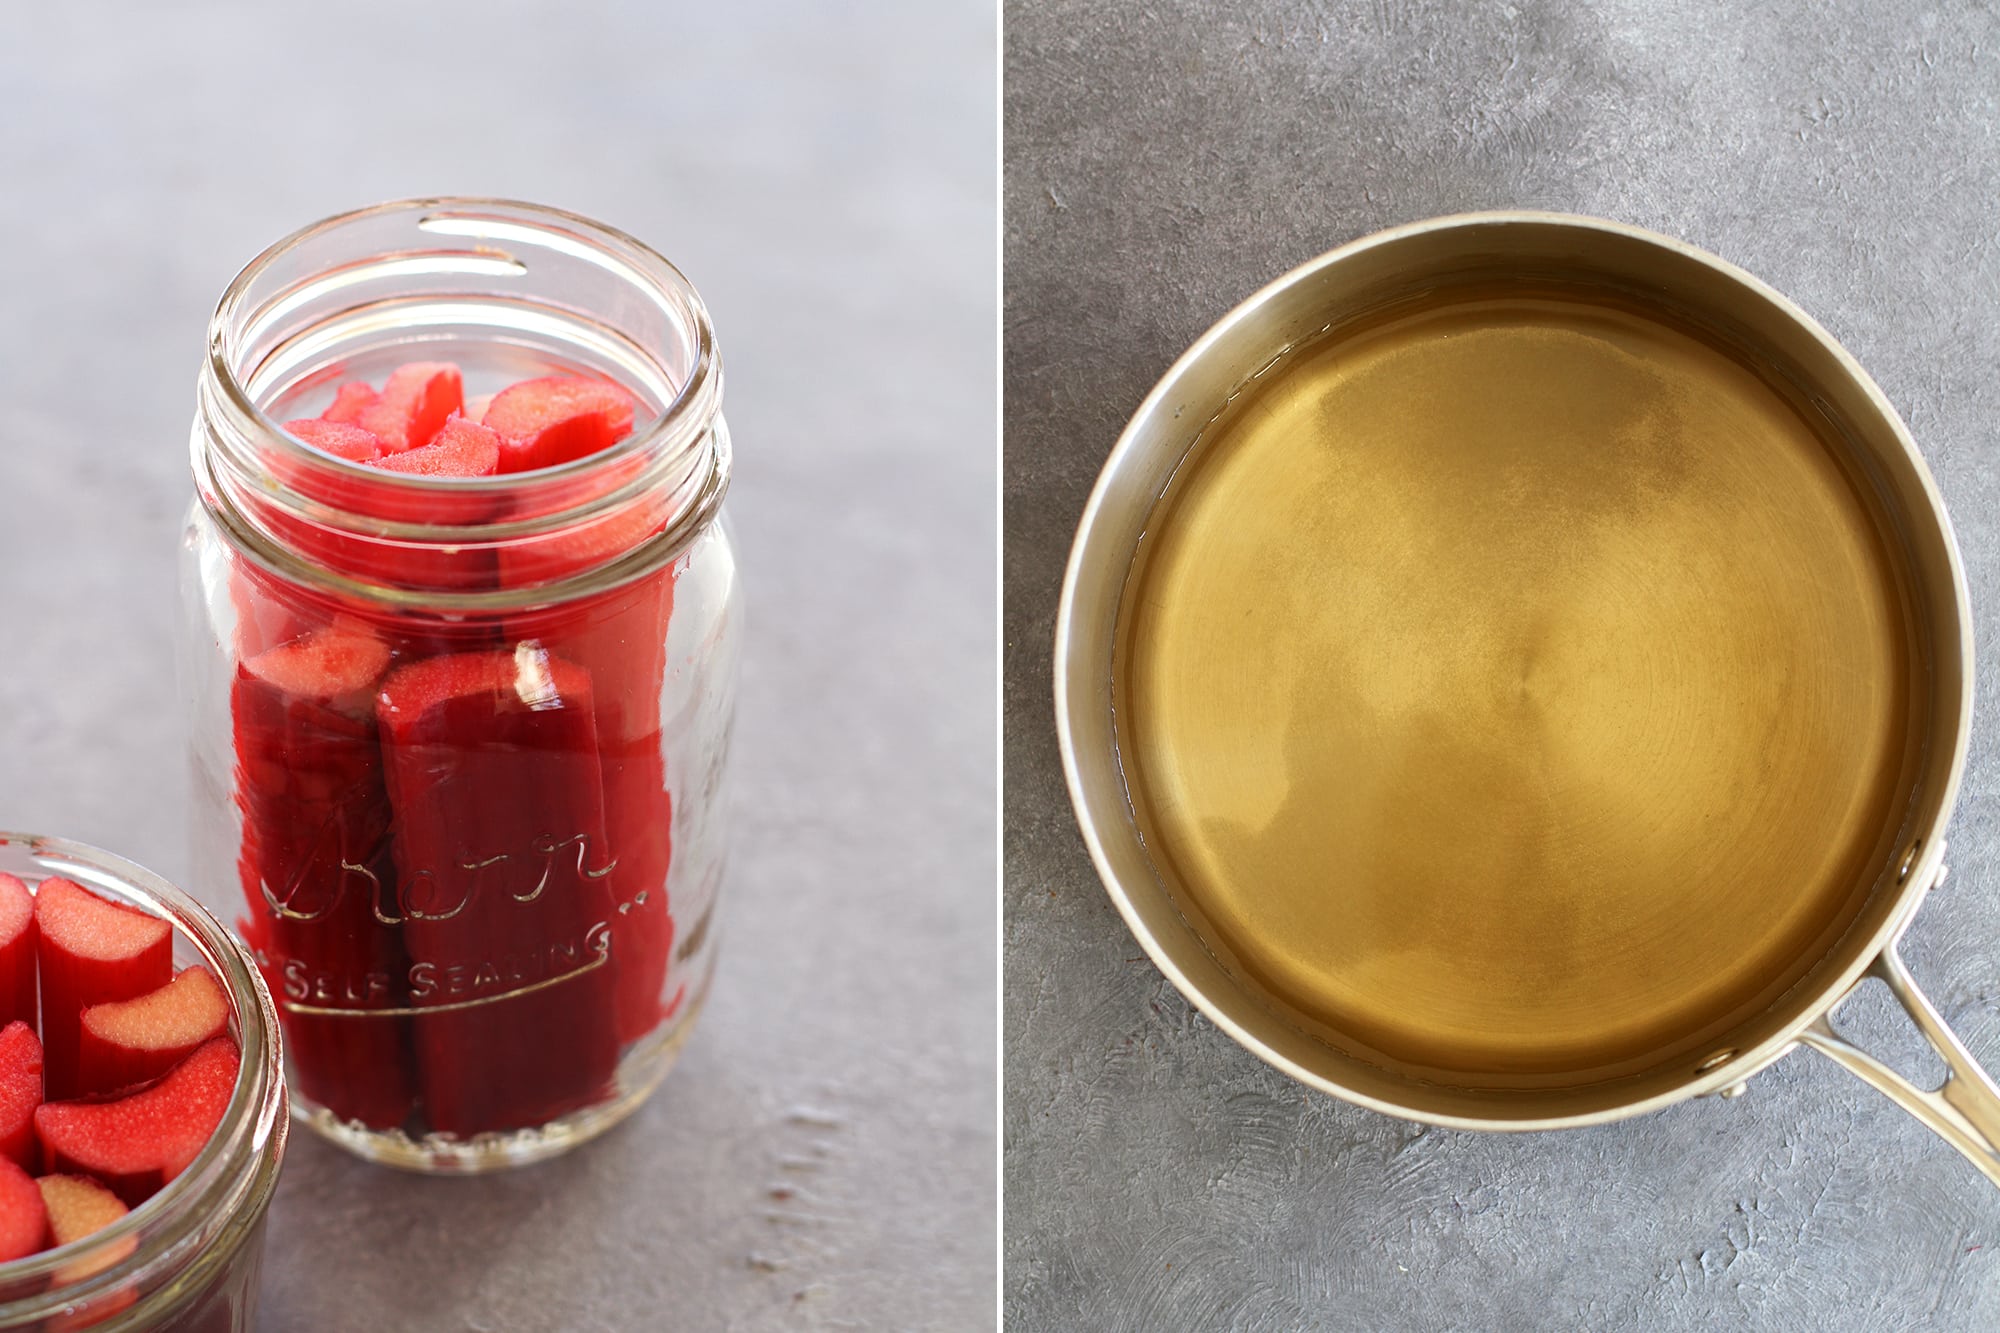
(253, 1118)
(704, 491)
(490, 225)
(502, 282)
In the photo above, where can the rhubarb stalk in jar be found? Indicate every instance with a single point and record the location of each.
(461, 651)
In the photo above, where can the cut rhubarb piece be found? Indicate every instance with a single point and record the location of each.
(639, 815)
(576, 547)
(620, 638)
(494, 779)
(24, 1219)
(90, 951)
(350, 400)
(342, 441)
(20, 1093)
(415, 403)
(317, 873)
(138, 1143)
(270, 610)
(79, 1207)
(17, 951)
(462, 449)
(429, 562)
(329, 540)
(411, 428)
(557, 419)
(129, 1042)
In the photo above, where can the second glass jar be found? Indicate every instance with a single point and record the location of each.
(459, 741)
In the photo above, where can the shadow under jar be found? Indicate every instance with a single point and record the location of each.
(458, 741)
(187, 1259)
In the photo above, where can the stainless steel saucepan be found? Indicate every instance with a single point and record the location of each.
(1514, 672)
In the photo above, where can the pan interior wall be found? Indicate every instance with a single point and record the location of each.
(1516, 689)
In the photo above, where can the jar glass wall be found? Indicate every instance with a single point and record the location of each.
(458, 742)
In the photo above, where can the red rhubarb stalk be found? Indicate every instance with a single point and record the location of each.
(17, 951)
(620, 637)
(316, 870)
(417, 400)
(138, 1143)
(460, 448)
(20, 1093)
(414, 426)
(493, 776)
(269, 610)
(24, 1222)
(557, 419)
(90, 951)
(639, 812)
(129, 1042)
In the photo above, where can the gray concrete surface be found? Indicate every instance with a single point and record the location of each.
(825, 176)
(1162, 162)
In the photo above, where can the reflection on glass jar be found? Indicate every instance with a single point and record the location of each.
(186, 1260)
(458, 736)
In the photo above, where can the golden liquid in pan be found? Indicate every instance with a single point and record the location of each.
(1516, 691)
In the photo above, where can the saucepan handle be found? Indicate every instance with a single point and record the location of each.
(1964, 1110)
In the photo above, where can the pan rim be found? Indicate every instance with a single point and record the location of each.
(1811, 1004)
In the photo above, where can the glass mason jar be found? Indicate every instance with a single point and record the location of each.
(458, 742)
(186, 1260)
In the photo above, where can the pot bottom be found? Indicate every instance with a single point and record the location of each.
(1519, 689)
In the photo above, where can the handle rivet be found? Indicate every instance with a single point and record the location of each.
(1909, 861)
(1716, 1061)
(1734, 1090)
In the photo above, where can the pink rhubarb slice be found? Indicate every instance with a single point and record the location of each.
(350, 400)
(129, 1042)
(342, 441)
(317, 873)
(557, 419)
(461, 449)
(414, 404)
(17, 951)
(24, 1219)
(79, 1207)
(435, 562)
(90, 951)
(138, 1143)
(493, 774)
(414, 427)
(20, 1093)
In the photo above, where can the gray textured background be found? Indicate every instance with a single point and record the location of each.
(823, 1156)
(1164, 161)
